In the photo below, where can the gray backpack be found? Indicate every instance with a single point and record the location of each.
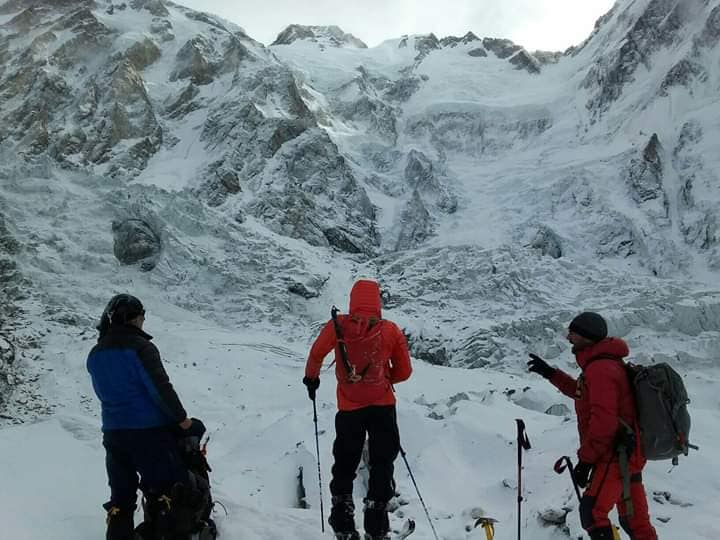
(661, 402)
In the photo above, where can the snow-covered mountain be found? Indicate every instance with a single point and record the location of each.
(239, 189)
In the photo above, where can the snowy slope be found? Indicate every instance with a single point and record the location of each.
(457, 427)
(493, 192)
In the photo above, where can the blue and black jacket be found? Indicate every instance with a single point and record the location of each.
(130, 381)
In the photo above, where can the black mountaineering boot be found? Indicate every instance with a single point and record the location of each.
(342, 518)
(119, 522)
(603, 533)
(377, 524)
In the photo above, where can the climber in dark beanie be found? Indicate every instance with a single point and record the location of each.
(140, 413)
(605, 409)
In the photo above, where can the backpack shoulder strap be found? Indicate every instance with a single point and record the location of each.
(349, 369)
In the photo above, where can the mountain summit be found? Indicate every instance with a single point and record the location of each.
(324, 35)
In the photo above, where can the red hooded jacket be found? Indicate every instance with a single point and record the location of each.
(364, 319)
(602, 397)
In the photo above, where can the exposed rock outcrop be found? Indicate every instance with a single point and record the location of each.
(136, 241)
(452, 41)
(547, 242)
(329, 35)
(525, 61)
(502, 48)
(683, 74)
(645, 176)
(658, 26)
(416, 224)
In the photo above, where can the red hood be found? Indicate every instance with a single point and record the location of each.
(365, 299)
(608, 347)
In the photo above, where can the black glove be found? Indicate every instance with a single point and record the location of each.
(540, 366)
(312, 386)
(197, 429)
(581, 474)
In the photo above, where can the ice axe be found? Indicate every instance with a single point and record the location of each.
(565, 463)
(488, 525)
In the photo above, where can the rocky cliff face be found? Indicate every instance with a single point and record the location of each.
(76, 88)
(636, 38)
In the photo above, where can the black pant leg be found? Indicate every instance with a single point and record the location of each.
(384, 446)
(347, 449)
(122, 476)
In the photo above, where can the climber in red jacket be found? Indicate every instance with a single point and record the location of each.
(375, 357)
(606, 415)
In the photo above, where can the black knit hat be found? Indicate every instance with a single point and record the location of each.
(121, 309)
(589, 325)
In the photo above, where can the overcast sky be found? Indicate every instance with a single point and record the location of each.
(534, 24)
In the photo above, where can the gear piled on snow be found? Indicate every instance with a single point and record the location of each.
(187, 509)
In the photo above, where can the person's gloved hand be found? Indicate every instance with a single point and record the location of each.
(581, 474)
(312, 386)
(540, 366)
(196, 429)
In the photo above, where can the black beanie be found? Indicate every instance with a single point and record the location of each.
(589, 325)
(121, 309)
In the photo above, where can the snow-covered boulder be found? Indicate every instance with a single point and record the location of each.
(136, 241)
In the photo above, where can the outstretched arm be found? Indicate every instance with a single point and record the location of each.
(565, 383)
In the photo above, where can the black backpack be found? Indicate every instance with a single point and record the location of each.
(190, 505)
(199, 497)
(661, 403)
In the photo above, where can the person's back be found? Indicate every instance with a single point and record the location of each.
(133, 392)
(370, 356)
(376, 349)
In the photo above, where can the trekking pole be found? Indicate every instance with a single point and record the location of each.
(317, 447)
(523, 443)
(402, 453)
(565, 463)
